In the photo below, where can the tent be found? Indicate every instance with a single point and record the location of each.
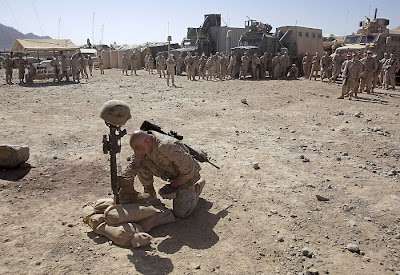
(45, 45)
(395, 30)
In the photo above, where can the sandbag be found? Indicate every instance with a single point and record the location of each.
(88, 211)
(95, 220)
(102, 204)
(126, 234)
(132, 212)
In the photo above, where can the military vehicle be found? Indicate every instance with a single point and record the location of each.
(373, 35)
(296, 40)
(199, 39)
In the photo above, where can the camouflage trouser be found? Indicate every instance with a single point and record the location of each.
(211, 72)
(243, 71)
(277, 71)
(350, 88)
(9, 72)
(306, 70)
(366, 81)
(231, 70)
(187, 195)
(390, 79)
(315, 68)
(133, 66)
(223, 71)
(172, 76)
(202, 72)
(335, 72)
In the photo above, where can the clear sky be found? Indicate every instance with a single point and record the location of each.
(134, 22)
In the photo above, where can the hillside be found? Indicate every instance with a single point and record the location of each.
(9, 34)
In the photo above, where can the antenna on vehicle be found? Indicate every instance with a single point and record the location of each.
(102, 31)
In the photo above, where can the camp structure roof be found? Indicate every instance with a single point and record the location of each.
(395, 30)
(28, 45)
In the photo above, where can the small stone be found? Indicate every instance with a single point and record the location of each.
(353, 248)
(256, 166)
(274, 212)
(307, 252)
(262, 254)
(244, 101)
(368, 219)
(70, 225)
(352, 223)
(321, 198)
(313, 271)
(294, 238)
(345, 154)
(280, 239)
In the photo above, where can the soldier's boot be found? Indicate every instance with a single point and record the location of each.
(127, 192)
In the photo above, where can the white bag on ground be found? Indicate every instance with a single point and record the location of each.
(126, 234)
(132, 212)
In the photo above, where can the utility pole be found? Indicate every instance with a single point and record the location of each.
(93, 30)
(59, 27)
(102, 31)
(169, 38)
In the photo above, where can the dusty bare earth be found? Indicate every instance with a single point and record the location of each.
(248, 221)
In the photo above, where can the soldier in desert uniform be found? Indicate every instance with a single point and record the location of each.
(133, 60)
(307, 59)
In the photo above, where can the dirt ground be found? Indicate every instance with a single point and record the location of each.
(248, 221)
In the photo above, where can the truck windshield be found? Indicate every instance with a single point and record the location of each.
(189, 43)
(351, 40)
(368, 39)
(251, 42)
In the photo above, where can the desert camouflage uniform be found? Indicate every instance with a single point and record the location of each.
(202, 67)
(82, 66)
(276, 66)
(8, 64)
(150, 63)
(64, 68)
(337, 65)
(244, 67)
(391, 67)
(160, 63)
(90, 65)
(232, 66)
(255, 63)
(179, 64)
(224, 65)
(352, 73)
(75, 67)
(210, 64)
(171, 71)
(21, 69)
(307, 66)
(133, 60)
(315, 66)
(169, 159)
(382, 72)
(196, 64)
(125, 64)
(367, 77)
(264, 65)
(189, 66)
(325, 62)
(285, 64)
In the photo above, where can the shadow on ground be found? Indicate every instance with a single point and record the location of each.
(14, 174)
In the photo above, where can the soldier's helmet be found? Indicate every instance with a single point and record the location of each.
(115, 112)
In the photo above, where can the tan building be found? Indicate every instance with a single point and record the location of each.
(302, 39)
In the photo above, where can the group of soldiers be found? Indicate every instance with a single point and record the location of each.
(77, 65)
(359, 75)
(220, 66)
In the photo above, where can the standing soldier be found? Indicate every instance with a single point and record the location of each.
(315, 66)
(202, 66)
(90, 64)
(82, 66)
(307, 59)
(264, 65)
(232, 65)
(133, 60)
(64, 68)
(367, 76)
(189, 65)
(21, 69)
(255, 63)
(337, 65)
(150, 63)
(171, 69)
(179, 64)
(348, 58)
(101, 64)
(160, 63)
(210, 67)
(276, 66)
(351, 75)
(325, 63)
(391, 67)
(382, 72)
(125, 64)
(146, 62)
(285, 64)
(8, 64)
(224, 65)
(56, 65)
(244, 66)
(75, 67)
(196, 64)
(218, 64)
